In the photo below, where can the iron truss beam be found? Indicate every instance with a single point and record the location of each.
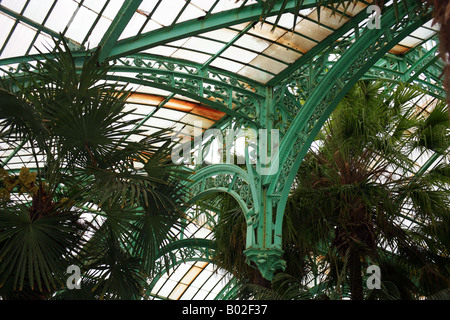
(323, 87)
(39, 27)
(320, 47)
(194, 27)
(409, 69)
(117, 26)
(21, 18)
(354, 63)
(236, 96)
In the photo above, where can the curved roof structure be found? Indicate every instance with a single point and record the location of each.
(225, 63)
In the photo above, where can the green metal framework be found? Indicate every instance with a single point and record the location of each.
(292, 86)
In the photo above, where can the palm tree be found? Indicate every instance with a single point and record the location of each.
(357, 201)
(356, 193)
(441, 16)
(82, 164)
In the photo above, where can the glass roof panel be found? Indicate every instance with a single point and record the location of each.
(253, 43)
(98, 32)
(268, 64)
(37, 9)
(258, 53)
(15, 5)
(282, 53)
(201, 44)
(191, 12)
(312, 30)
(191, 56)
(61, 15)
(81, 24)
(297, 42)
(95, 5)
(166, 14)
(227, 65)
(220, 34)
(25, 35)
(329, 18)
(169, 114)
(112, 9)
(255, 74)
(242, 55)
(132, 29)
(264, 30)
(7, 24)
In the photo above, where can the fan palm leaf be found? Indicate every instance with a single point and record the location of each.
(76, 127)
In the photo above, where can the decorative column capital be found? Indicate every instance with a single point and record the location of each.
(267, 260)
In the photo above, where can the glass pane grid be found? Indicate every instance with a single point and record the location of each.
(260, 54)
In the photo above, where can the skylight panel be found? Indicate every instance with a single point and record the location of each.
(99, 31)
(282, 53)
(133, 26)
(224, 5)
(161, 50)
(169, 114)
(423, 33)
(148, 5)
(191, 12)
(61, 15)
(178, 273)
(166, 13)
(7, 24)
(95, 5)
(264, 30)
(227, 65)
(19, 42)
(329, 18)
(286, 20)
(112, 9)
(154, 91)
(15, 5)
(297, 42)
(268, 64)
(253, 43)
(159, 123)
(205, 45)
(312, 30)
(409, 41)
(204, 5)
(81, 24)
(191, 119)
(151, 25)
(191, 56)
(166, 288)
(37, 10)
(42, 43)
(178, 43)
(255, 74)
(224, 35)
(239, 54)
(178, 291)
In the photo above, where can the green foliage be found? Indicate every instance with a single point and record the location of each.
(359, 199)
(83, 166)
(357, 195)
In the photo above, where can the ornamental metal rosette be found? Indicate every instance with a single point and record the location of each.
(228, 92)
